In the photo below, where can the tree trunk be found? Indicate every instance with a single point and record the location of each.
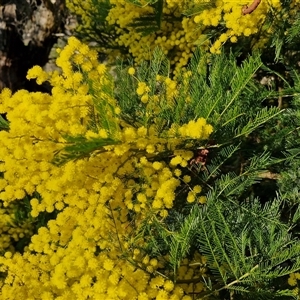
(28, 31)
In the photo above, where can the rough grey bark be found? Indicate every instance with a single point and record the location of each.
(28, 31)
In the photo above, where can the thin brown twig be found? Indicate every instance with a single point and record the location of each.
(249, 9)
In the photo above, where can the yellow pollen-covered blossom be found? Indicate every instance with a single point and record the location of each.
(197, 189)
(191, 197)
(131, 71)
(183, 26)
(37, 73)
(73, 155)
(142, 88)
(108, 264)
(187, 178)
(202, 199)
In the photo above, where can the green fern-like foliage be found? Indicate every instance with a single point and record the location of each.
(289, 180)
(4, 124)
(247, 242)
(98, 29)
(247, 247)
(225, 94)
(151, 22)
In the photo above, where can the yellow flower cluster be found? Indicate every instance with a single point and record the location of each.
(235, 23)
(180, 31)
(293, 282)
(90, 250)
(176, 35)
(190, 269)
